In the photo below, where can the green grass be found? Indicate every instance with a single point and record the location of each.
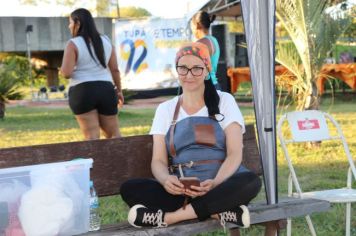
(318, 167)
(29, 126)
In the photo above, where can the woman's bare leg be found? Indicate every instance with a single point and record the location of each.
(89, 124)
(109, 126)
(180, 215)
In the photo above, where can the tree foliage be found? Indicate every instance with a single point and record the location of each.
(313, 33)
(102, 7)
(34, 2)
(134, 12)
(351, 31)
(10, 81)
(9, 84)
(19, 67)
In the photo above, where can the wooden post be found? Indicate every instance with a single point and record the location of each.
(272, 227)
(235, 232)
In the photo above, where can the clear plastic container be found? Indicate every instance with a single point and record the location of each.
(46, 199)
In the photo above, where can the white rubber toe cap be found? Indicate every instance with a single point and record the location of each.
(133, 214)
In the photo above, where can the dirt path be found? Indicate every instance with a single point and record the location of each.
(137, 103)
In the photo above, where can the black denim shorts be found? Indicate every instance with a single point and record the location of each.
(94, 95)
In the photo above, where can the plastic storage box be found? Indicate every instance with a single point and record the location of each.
(45, 200)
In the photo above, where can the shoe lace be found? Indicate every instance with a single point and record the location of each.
(154, 218)
(227, 216)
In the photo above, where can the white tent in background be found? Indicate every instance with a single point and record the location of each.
(259, 21)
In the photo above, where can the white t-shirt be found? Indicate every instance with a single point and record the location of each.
(165, 111)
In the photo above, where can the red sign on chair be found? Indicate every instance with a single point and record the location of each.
(308, 124)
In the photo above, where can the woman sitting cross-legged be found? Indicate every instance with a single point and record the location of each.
(197, 134)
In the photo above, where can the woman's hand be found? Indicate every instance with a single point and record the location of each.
(173, 185)
(197, 191)
(121, 99)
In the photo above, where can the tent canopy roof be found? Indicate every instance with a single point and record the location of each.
(223, 8)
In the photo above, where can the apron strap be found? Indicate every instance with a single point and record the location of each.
(173, 126)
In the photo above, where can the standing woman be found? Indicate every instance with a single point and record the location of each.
(200, 25)
(89, 61)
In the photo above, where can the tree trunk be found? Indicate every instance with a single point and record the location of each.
(312, 103)
(2, 110)
(313, 100)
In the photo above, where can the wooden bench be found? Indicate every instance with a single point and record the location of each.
(117, 160)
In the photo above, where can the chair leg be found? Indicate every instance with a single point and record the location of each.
(311, 226)
(348, 219)
(289, 227)
(290, 192)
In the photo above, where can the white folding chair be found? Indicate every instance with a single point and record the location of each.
(310, 126)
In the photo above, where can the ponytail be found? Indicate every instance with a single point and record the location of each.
(89, 33)
(203, 18)
(211, 98)
(212, 18)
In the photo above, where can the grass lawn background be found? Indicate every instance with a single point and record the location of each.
(319, 167)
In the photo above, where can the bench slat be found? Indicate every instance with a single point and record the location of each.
(112, 164)
(259, 212)
(289, 207)
(115, 160)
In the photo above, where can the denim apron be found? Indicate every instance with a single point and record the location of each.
(194, 154)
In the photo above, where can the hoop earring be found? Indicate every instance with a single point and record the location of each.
(219, 117)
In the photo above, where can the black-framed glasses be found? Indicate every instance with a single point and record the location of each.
(195, 70)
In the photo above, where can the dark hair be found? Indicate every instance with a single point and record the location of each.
(211, 98)
(203, 18)
(89, 33)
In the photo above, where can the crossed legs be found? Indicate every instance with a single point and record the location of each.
(237, 190)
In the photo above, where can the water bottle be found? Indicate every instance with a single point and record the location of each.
(94, 217)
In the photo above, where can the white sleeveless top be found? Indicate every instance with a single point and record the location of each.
(88, 69)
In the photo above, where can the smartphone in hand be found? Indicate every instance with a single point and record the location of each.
(189, 181)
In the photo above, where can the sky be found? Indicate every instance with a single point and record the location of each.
(159, 8)
(165, 8)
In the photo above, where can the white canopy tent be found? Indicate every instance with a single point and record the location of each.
(259, 22)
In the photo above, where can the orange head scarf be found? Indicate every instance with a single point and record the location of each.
(196, 49)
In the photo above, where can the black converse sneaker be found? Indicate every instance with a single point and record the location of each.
(239, 217)
(140, 216)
